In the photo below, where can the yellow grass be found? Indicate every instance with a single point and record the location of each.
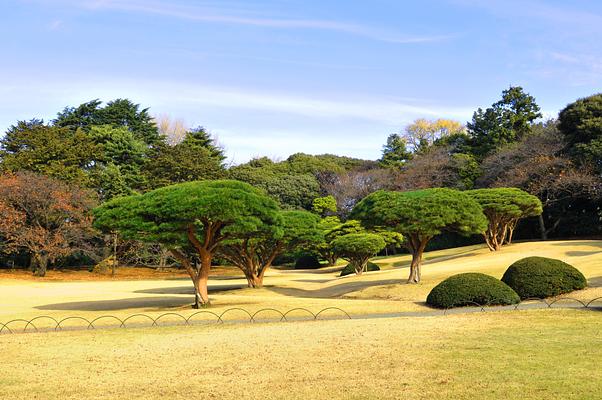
(543, 354)
(531, 354)
(376, 292)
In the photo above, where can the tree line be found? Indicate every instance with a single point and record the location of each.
(53, 174)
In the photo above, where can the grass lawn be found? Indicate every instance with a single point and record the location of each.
(375, 292)
(542, 354)
(534, 354)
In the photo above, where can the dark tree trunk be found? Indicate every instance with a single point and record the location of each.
(41, 261)
(163, 255)
(332, 260)
(542, 227)
(114, 263)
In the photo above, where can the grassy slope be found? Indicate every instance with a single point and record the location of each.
(519, 355)
(383, 291)
(507, 355)
(586, 255)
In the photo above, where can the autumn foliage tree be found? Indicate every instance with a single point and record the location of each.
(423, 133)
(44, 217)
(537, 165)
(504, 207)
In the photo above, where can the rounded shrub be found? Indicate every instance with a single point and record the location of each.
(307, 261)
(543, 277)
(349, 269)
(470, 288)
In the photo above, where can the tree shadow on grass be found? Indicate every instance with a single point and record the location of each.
(189, 289)
(569, 243)
(336, 290)
(594, 282)
(162, 302)
(312, 280)
(582, 253)
(157, 303)
(432, 259)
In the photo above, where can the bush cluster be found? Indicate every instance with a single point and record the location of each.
(350, 269)
(470, 288)
(540, 277)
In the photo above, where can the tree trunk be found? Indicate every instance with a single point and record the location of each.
(163, 255)
(332, 260)
(542, 227)
(32, 264)
(359, 267)
(199, 275)
(201, 296)
(254, 281)
(41, 264)
(492, 241)
(198, 298)
(510, 234)
(417, 249)
(114, 263)
(415, 268)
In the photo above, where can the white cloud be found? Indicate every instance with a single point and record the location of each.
(248, 121)
(241, 16)
(382, 110)
(540, 10)
(55, 25)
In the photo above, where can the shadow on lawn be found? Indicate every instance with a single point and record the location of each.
(429, 259)
(189, 289)
(336, 290)
(596, 281)
(595, 245)
(570, 243)
(582, 253)
(121, 304)
(158, 302)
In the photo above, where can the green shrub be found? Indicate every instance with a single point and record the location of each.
(543, 277)
(470, 288)
(349, 269)
(307, 261)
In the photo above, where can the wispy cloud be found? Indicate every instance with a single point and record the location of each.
(55, 25)
(578, 69)
(381, 110)
(241, 16)
(567, 13)
(355, 125)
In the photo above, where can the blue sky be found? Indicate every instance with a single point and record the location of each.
(281, 76)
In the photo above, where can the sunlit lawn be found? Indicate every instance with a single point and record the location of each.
(545, 354)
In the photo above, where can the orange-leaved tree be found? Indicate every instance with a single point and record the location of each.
(44, 217)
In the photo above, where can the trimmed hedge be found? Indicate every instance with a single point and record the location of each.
(543, 277)
(307, 261)
(470, 288)
(349, 269)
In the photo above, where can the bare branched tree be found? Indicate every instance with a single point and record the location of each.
(536, 164)
(173, 129)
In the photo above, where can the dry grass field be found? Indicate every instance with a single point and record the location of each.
(531, 354)
(375, 292)
(543, 354)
